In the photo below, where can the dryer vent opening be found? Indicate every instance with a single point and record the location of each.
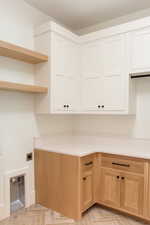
(17, 193)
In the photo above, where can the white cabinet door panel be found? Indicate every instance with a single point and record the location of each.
(60, 55)
(114, 74)
(113, 55)
(91, 62)
(113, 93)
(65, 72)
(92, 94)
(65, 95)
(140, 50)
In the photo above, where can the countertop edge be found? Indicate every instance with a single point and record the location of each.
(132, 155)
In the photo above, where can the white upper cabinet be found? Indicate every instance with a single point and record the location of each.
(114, 62)
(140, 50)
(61, 73)
(105, 80)
(90, 74)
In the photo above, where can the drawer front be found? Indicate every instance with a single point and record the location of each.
(87, 162)
(123, 164)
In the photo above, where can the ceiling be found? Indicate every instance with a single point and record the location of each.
(78, 14)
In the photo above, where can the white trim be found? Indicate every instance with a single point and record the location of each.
(56, 28)
(114, 30)
(118, 29)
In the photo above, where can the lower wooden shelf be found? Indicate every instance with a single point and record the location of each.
(5, 85)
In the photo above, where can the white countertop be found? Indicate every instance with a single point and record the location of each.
(84, 145)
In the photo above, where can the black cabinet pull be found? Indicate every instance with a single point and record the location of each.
(65, 106)
(118, 177)
(120, 164)
(103, 106)
(98, 106)
(122, 178)
(84, 178)
(89, 163)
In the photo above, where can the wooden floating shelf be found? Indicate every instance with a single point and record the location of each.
(22, 54)
(4, 85)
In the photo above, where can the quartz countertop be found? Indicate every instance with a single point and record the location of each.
(84, 145)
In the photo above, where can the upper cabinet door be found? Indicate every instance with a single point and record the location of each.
(140, 50)
(65, 74)
(65, 94)
(92, 94)
(65, 56)
(114, 73)
(92, 87)
(91, 62)
(60, 55)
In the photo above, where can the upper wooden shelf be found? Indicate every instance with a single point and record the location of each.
(22, 54)
(5, 85)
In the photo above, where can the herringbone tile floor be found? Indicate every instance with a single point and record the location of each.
(38, 215)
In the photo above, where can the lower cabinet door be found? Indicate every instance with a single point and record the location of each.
(132, 193)
(110, 187)
(87, 190)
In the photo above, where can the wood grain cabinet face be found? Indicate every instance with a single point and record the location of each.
(132, 189)
(122, 190)
(87, 190)
(123, 183)
(110, 187)
(88, 166)
(148, 205)
(70, 184)
(57, 181)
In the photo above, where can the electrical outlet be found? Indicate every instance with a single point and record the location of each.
(29, 156)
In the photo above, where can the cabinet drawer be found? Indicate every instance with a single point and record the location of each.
(122, 164)
(87, 162)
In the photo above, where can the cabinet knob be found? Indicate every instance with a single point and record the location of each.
(122, 178)
(103, 106)
(65, 106)
(98, 106)
(118, 177)
(84, 178)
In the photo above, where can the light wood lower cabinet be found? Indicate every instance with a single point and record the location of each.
(132, 193)
(110, 187)
(87, 190)
(70, 184)
(57, 182)
(122, 190)
(88, 175)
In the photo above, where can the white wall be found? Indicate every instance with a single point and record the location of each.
(54, 125)
(137, 126)
(17, 120)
